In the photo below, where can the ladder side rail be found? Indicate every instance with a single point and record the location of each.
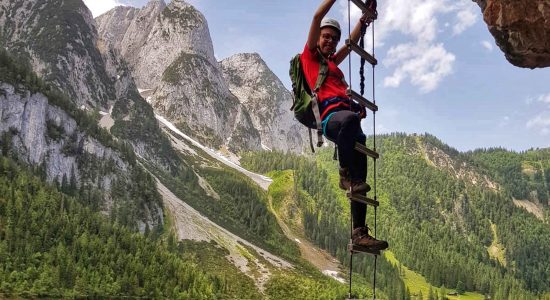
(374, 166)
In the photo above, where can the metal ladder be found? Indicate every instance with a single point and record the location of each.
(371, 105)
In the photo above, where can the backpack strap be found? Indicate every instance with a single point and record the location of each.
(323, 72)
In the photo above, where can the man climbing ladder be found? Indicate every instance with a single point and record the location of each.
(340, 114)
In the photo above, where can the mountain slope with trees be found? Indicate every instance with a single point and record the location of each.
(437, 224)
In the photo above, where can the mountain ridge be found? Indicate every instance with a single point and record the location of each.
(189, 87)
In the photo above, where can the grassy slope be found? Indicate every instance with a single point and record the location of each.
(242, 207)
(497, 250)
(416, 283)
(306, 282)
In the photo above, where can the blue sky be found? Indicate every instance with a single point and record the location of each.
(439, 69)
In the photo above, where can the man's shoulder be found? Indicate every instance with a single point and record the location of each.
(308, 54)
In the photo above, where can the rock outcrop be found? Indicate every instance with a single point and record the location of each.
(521, 29)
(170, 53)
(59, 39)
(47, 137)
(266, 99)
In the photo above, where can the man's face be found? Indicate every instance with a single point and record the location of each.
(328, 40)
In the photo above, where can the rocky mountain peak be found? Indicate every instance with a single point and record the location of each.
(153, 37)
(170, 53)
(58, 37)
(267, 100)
(238, 103)
(247, 70)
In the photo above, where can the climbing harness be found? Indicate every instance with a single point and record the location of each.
(369, 11)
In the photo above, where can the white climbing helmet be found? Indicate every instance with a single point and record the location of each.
(327, 22)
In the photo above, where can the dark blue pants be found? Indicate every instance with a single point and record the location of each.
(344, 129)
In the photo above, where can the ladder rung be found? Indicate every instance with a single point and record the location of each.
(364, 54)
(363, 149)
(365, 9)
(362, 100)
(362, 199)
(356, 248)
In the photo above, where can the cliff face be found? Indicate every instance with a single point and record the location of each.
(521, 30)
(266, 99)
(58, 37)
(170, 53)
(59, 41)
(45, 136)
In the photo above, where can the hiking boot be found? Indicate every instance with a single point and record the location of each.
(361, 237)
(345, 181)
(357, 186)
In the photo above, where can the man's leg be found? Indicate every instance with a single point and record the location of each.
(358, 167)
(341, 129)
(344, 128)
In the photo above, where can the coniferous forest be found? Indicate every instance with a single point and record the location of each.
(51, 245)
(437, 224)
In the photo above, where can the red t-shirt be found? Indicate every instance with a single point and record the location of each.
(334, 85)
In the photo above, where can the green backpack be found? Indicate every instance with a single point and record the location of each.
(305, 105)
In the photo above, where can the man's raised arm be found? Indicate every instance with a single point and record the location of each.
(314, 30)
(343, 52)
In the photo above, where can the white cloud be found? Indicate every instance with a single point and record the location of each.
(487, 45)
(418, 19)
(543, 98)
(540, 123)
(424, 65)
(465, 19)
(504, 121)
(97, 7)
(415, 18)
(420, 22)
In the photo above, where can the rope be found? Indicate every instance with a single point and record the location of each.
(375, 171)
(349, 37)
(350, 215)
(362, 90)
(362, 68)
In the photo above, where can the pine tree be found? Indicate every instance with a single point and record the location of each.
(460, 287)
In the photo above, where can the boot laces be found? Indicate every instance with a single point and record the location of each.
(365, 233)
